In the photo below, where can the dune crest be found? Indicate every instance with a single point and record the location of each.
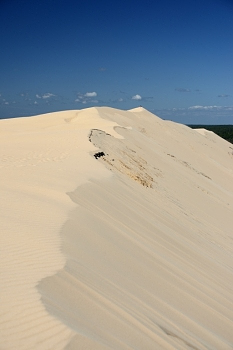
(116, 233)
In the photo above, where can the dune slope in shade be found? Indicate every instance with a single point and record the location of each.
(144, 256)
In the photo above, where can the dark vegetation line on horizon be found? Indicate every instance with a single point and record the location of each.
(224, 131)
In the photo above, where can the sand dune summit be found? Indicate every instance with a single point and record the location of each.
(116, 233)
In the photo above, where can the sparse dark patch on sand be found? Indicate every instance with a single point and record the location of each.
(171, 334)
(99, 154)
(188, 165)
(118, 156)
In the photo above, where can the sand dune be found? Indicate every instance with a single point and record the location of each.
(132, 250)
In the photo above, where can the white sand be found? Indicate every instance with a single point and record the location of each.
(130, 251)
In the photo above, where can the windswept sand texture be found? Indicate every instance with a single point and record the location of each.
(132, 250)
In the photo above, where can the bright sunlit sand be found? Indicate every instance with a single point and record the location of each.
(116, 233)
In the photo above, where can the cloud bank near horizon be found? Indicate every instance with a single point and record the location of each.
(26, 103)
(198, 114)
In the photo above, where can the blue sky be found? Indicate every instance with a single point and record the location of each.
(175, 58)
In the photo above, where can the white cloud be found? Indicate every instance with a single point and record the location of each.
(120, 100)
(35, 103)
(196, 107)
(205, 107)
(90, 94)
(136, 97)
(86, 98)
(6, 103)
(47, 95)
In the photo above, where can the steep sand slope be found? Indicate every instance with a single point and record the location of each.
(144, 256)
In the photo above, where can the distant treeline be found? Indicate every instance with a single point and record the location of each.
(224, 131)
